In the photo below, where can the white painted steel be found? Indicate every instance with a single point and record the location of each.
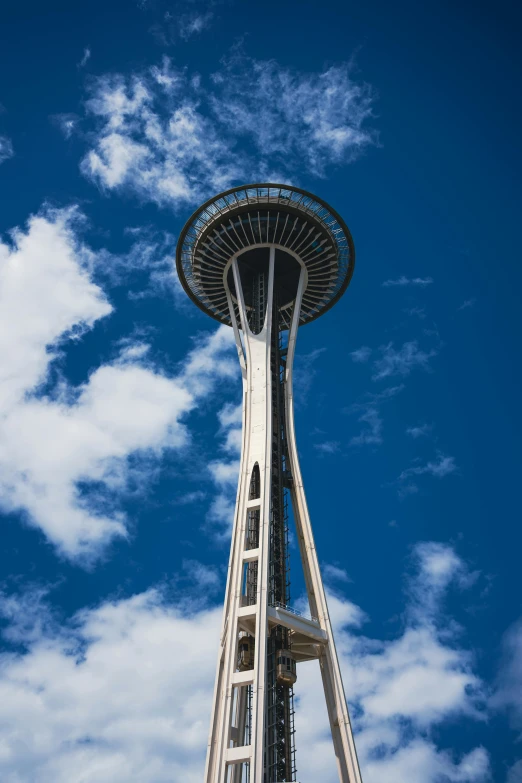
(344, 746)
(298, 625)
(316, 636)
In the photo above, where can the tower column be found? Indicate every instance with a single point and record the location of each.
(342, 736)
(236, 738)
(266, 259)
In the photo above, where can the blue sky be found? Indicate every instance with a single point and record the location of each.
(118, 398)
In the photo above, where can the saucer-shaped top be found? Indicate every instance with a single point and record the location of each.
(254, 216)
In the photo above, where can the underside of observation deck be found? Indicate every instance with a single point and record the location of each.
(307, 230)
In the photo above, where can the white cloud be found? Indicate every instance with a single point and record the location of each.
(121, 694)
(515, 773)
(212, 358)
(372, 434)
(6, 149)
(305, 371)
(85, 57)
(171, 156)
(64, 450)
(419, 431)
(189, 497)
(508, 691)
(467, 303)
(328, 447)
(66, 122)
(403, 361)
(104, 697)
(230, 416)
(225, 472)
(361, 355)
(231, 421)
(369, 415)
(420, 312)
(172, 140)
(46, 294)
(438, 566)
(422, 761)
(439, 467)
(408, 281)
(194, 24)
(147, 269)
(202, 576)
(333, 573)
(220, 514)
(315, 119)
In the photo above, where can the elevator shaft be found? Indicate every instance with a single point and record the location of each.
(279, 712)
(279, 755)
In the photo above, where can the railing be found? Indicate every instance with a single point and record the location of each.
(304, 615)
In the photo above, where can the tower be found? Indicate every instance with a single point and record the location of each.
(267, 259)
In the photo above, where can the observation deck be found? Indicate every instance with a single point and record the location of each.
(306, 232)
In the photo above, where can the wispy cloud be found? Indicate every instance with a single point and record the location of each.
(171, 138)
(67, 123)
(372, 434)
(401, 361)
(515, 773)
(334, 573)
(181, 22)
(146, 269)
(193, 24)
(508, 687)
(328, 447)
(361, 355)
(420, 312)
(189, 497)
(440, 467)
(85, 57)
(467, 304)
(6, 149)
(315, 119)
(419, 431)
(202, 576)
(225, 471)
(369, 415)
(422, 282)
(304, 374)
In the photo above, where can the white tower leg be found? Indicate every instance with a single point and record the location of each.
(342, 736)
(223, 750)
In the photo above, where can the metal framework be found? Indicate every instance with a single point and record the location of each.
(266, 259)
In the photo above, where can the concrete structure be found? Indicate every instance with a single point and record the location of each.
(266, 259)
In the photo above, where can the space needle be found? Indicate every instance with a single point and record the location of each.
(267, 259)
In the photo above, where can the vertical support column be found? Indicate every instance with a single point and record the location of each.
(224, 749)
(262, 397)
(342, 736)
